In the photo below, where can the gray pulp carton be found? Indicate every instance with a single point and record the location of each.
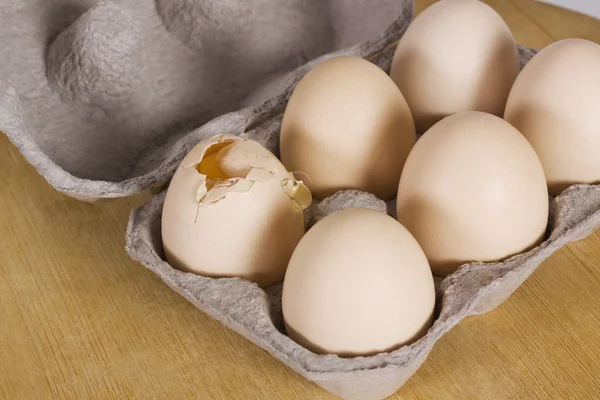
(160, 90)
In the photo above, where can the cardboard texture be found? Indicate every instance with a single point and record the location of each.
(109, 91)
(105, 99)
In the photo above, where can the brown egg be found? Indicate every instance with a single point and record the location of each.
(357, 284)
(458, 55)
(555, 103)
(232, 209)
(473, 189)
(347, 126)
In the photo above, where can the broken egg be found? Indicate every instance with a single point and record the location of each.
(233, 210)
(357, 284)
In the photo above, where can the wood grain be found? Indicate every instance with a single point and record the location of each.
(80, 320)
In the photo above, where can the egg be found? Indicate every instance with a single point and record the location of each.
(458, 55)
(473, 189)
(555, 103)
(347, 126)
(233, 210)
(357, 284)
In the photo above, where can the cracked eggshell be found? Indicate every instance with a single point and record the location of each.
(555, 104)
(473, 189)
(247, 227)
(347, 126)
(357, 284)
(458, 55)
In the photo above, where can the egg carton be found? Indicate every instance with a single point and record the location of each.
(109, 90)
(475, 288)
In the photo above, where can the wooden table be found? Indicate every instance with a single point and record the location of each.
(80, 320)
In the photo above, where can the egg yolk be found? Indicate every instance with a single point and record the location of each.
(209, 166)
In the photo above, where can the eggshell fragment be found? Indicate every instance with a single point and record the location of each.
(555, 104)
(473, 189)
(458, 55)
(357, 284)
(233, 210)
(347, 126)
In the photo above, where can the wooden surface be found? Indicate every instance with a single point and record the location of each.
(80, 320)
